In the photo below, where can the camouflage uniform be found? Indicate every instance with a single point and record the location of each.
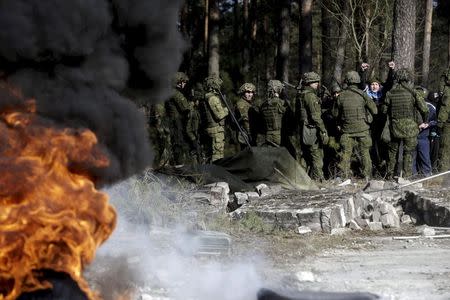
(243, 110)
(272, 111)
(159, 134)
(406, 109)
(353, 110)
(192, 127)
(177, 110)
(312, 129)
(444, 125)
(213, 115)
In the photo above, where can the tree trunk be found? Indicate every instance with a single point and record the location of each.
(327, 32)
(342, 41)
(283, 40)
(305, 37)
(427, 43)
(213, 39)
(206, 27)
(404, 35)
(253, 19)
(246, 38)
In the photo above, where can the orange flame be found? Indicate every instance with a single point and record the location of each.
(51, 216)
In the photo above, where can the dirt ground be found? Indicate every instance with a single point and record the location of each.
(392, 269)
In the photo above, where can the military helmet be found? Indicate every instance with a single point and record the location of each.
(212, 83)
(180, 77)
(403, 74)
(158, 110)
(352, 77)
(247, 87)
(310, 77)
(275, 86)
(422, 90)
(335, 88)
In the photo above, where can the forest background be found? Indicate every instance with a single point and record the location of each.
(258, 40)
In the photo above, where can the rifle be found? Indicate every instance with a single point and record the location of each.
(293, 86)
(241, 130)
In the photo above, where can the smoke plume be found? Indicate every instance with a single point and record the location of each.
(78, 58)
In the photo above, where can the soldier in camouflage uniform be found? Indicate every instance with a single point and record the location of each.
(444, 124)
(272, 111)
(213, 114)
(405, 109)
(312, 129)
(243, 110)
(354, 110)
(177, 110)
(193, 126)
(159, 134)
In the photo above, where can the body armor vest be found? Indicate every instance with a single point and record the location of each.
(354, 108)
(272, 113)
(173, 108)
(206, 113)
(402, 103)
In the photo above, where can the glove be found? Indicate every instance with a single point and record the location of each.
(324, 138)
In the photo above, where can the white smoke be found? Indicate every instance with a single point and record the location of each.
(163, 260)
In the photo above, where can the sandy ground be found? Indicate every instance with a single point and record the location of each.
(393, 269)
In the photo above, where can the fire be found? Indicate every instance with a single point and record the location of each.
(51, 215)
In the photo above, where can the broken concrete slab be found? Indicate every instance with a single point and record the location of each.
(221, 184)
(339, 231)
(375, 226)
(353, 225)
(405, 219)
(252, 195)
(241, 198)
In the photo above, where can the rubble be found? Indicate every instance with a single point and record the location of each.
(331, 211)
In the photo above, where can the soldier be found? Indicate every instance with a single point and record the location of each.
(244, 110)
(213, 115)
(177, 110)
(272, 111)
(159, 134)
(444, 124)
(353, 110)
(312, 129)
(193, 125)
(405, 109)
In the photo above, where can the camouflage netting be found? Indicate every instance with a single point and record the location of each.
(270, 164)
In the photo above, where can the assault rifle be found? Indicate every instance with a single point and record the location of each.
(242, 131)
(290, 85)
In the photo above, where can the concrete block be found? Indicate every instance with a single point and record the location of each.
(264, 192)
(406, 219)
(384, 208)
(353, 225)
(362, 222)
(261, 186)
(349, 208)
(367, 196)
(286, 219)
(376, 216)
(241, 198)
(252, 195)
(375, 226)
(426, 230)
(304, 230)
(390, 220)
(375, 185)
(310, 217)
(221, 184)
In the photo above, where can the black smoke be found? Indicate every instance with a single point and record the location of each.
(79, 58)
